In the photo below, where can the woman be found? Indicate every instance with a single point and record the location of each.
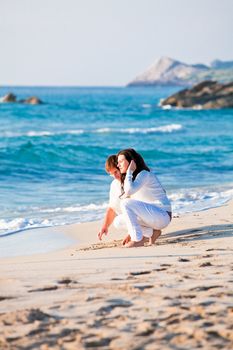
(144, 202)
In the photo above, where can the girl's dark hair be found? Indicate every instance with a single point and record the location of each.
(131, 154)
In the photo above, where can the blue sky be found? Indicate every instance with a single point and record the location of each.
(107, 42)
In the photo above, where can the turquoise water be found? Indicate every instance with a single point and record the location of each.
(52, 155)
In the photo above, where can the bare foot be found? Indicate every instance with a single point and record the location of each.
(133, 244)
(126, 240)
(155, 236)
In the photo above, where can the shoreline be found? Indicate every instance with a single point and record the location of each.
(208, 197)
(52, 239)
(99, 295)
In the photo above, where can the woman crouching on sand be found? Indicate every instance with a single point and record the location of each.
(148, 205)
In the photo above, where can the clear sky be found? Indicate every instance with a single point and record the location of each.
(107, 42)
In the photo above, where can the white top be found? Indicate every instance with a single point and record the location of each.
(146, 188)
(114, 194)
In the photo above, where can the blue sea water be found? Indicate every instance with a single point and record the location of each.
(52, 155)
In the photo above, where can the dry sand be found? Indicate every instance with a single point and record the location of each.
(176, 294)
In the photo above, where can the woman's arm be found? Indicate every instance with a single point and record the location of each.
(130, 186)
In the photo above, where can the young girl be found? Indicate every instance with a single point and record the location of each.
(144, 202)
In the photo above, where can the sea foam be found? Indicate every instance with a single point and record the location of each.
(191, 200)
(18, 224)
(56, 216)
(169, 128)
(160, 129)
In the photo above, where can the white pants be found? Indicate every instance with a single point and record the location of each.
(141, 218)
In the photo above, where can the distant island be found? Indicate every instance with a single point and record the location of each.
(168, 71)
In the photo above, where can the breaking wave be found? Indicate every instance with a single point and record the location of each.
(159, 129)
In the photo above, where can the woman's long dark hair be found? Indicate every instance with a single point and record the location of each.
(131, 154)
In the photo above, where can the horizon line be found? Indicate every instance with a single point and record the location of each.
(60, 86)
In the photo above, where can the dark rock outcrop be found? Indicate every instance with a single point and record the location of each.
(205, 95)
(12, 98)
(33, 101)
(8, 98)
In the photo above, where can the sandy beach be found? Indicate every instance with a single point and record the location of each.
(176, 294)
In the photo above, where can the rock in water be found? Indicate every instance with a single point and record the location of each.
(8, 98)
(205, 95)
(33, 101)
(12, 98)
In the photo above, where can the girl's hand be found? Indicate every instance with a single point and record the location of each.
(132, 166)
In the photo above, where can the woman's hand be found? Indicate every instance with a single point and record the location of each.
(132, 166)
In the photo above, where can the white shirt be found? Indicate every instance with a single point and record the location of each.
(114, 194)
(146, 188)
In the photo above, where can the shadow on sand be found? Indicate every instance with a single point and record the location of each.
(199, 233)
(183, 236)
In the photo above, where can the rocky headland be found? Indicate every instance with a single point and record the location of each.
(205, 95)
(168, 71)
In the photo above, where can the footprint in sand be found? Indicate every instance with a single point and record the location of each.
(192, 317)
(32, 315)
(142, 287)
(94, 342)
(5, 298)
(43, 289)
(204, 288)
(138, 273)
(66, 281)
(211, 249)
(187, 296)
(207, 324)
(144, 329)
(207, 303)
(187, 277)
(112, 304)
(206, 264)
(183, 260)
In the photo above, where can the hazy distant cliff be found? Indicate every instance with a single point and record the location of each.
(168, 71)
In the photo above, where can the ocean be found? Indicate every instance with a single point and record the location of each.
(52, 155)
